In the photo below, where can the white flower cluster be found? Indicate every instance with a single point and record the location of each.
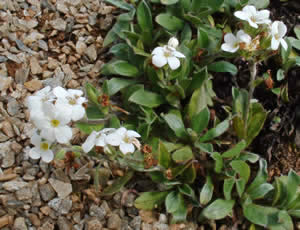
(51, 111)
(125, 139)
(277, 31)
(167, 54)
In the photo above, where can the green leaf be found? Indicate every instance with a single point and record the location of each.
(117, 185)
(215, 132)
(183, 154)
(259, 4)
(240, 186)
(92, 93)
(114, 85)
(218, 161)
(248, 156)
(293, 183)
(256, 121)
(260, 215)
(88, 128)
(150, 200)
(219, 209)
(144, 16)
(227, 187)
(296, 44)
(168, 2)
(235, 151)
(60, 155)
(260, 191)
(223, 67)
(205, 147)
(94, 112)
(207, 191)
(146, 98)
(169, 22)
(187, 190)
(180, 214)
(280, 75)
(164, 157)
(175, 122)
(297, 31)
(261, 176)
(241, 168)
(172, 201)
(121, 4)
(200, 121)
(120, 67)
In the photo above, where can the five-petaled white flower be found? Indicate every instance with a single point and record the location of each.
(254, 17)
(232, 42)
(278, 31)
(70, 102)
(125, 139)
(53, 124)
(35, 102)
(97, 139)
(167, 54)
(41, 149)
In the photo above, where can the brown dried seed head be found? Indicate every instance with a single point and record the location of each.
(168, 174)
(147, 149)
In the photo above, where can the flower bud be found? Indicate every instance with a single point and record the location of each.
(173, 42)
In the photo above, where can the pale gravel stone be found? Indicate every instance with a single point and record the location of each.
(47, 192)
(33, 37)
(43, 45)
(91, 52)
(20, 224)
(114, 222)
(35, 66)
(59, 24)
(62, 189)
(8, 156)
(5, 83)
(62, 206)
(80, 47)
(13, 186)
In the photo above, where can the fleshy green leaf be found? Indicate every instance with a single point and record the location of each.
(200, 120)
(183, 154)
(117, 185)
(223, 67)
(215, 132)
(218, 161)
(241, 168)
(168, 2)
(219, 209)
(150, 200)
(261, 176)
(88, 128)
(164, 156)
(207, 191)
(235, 151)
(114, 85)
(172, 202)
(280, 75)
(146, 98)
(120, 67)
(144, 16)
(175, 122)
(169, 22)
(227, 187)
(260, 191)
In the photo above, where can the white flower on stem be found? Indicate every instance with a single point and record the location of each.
(41, 149)
(97, 139)
(125, 139)
(232, 42)
(278, 31)
(35, 102)
(70, 102)
(167, 54)
(53, 124)
(253, 16)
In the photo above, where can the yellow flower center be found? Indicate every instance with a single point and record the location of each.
(44, 146)
(72, 101)
(253, 19)
(277, 37)
(55, 123)
(167, 54)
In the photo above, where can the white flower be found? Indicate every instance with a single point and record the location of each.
(125, 139)
(53, 124)
(278, 31)
(41, 149)
(232, 42)
(167, 54)
(35, 102)
(173, 42)
(254, 17)
(70, 102)
(97, 139)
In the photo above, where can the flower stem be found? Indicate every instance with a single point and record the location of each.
(253, 72)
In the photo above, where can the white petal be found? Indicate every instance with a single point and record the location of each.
(173, 62)
(274, 28)
(250, 10)
(60, 92)
(178, 54)
(121, 131)
(33, 102)
(34, 153)
(126, 148)
(113, 139)
(284, 44)
(46, 90)
(49, 109)
(230, 39)
(64, 117)
(282, 29)
(100, 141)
(89, 142)
(228, 48)
(63, 134)
(159, 60)
(47, 156)
(158, 51)
(274, 43)
(253, 24)
(81, 100)
(131, 133)
(263, 14)
(36, 139)
(75, 92)
(78, 112)
(241, 15)
(245, 38)
(107, 130)
(48, 134)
